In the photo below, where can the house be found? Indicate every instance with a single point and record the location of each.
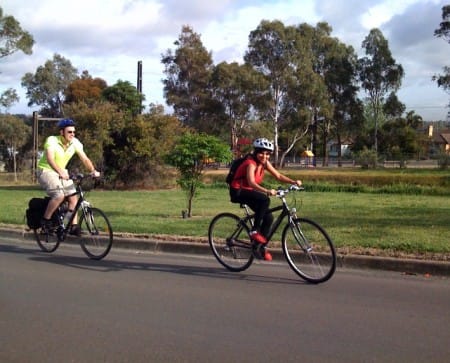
(439, 141)
(333, 148)
(446, 138)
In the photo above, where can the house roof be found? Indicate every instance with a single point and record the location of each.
(446, 137)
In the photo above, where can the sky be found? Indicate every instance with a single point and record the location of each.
(108, 38)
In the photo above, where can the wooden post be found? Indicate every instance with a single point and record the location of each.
(35, 146)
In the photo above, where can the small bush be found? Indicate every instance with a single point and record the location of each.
(367, 159)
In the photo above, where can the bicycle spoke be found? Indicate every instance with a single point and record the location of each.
(96, 233)
(309, 250)
(48, 240)
(229, 241)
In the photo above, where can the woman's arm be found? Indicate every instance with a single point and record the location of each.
(280, 177)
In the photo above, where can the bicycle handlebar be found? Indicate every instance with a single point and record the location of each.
(80, 176)
(282, 192)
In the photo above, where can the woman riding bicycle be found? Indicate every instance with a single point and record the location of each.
(246, 189)
(53, 175)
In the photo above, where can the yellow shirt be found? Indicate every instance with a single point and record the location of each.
(63, 154)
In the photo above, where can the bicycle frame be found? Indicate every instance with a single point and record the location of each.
(81, 204)
(285, 212)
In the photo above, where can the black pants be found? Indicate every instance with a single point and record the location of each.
(258, 203)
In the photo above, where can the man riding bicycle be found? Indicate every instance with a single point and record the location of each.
(53, 175)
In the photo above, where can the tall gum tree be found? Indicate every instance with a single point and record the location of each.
(379, 74)
(272, 51)
(46, 87)
(443, 80)
(188, 72)
(12, 37)
(234, 88)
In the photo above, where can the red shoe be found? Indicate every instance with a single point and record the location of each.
(258, 237)
(267, 256)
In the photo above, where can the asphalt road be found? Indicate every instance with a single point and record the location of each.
(147, 307)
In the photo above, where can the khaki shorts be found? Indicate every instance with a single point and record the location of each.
(53, 185)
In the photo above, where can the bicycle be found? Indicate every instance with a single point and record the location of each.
(96, 236)
(306, 246)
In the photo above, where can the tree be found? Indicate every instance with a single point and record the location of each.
(188, 71)
(96, 125)
(12, 37)
(379, 75)
(125, 96)
(444, 27)
(139, 149)
(85, 89)
(47, 86)
(340, 78)
(270, 51)
(330, 63)
(399, 137)
(234, 88)
(190, 155)
(14, 134)
(443, 80)
(393, 107)
(8, 98)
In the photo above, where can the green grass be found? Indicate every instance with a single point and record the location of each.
(393, 223)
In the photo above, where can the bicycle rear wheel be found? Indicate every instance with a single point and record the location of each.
(309, 250)
(48, 240)
(229, 240)
(96, 233)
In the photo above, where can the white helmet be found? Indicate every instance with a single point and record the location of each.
(263, 143)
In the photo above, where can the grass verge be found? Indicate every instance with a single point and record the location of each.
(367, 223)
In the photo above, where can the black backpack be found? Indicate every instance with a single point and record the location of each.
(35, 211)
(234, 166)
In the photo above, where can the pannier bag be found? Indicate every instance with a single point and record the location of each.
(35, 211)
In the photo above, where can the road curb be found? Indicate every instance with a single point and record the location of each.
(407, 266)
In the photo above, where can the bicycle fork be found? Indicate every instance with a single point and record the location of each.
(299, 236)
(89, 217)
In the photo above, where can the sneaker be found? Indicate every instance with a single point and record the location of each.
(75, 230)
(267, 256)
(258, 237)
(261, 253)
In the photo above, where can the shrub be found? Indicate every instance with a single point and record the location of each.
(367, 158)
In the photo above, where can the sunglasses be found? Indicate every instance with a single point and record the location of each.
(71, 131)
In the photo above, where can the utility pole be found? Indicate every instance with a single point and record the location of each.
(139, 80)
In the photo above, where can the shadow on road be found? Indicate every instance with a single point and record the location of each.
(111, 265)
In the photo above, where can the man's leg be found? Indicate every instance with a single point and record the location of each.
(52, 206)
(51, 183)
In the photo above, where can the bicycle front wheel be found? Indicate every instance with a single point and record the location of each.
(309, 250)
(230, 243)
(96, 233)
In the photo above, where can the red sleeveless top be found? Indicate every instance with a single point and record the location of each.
(240, 177)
